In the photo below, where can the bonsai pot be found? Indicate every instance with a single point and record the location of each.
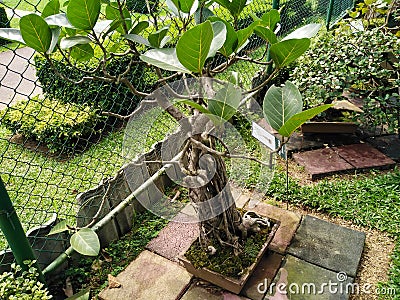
(233, 285)
(329, 127)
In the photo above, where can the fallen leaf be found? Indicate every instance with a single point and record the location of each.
(68, 291)
(113, 283)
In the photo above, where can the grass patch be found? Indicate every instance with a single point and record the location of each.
(93, 272)
(40, 186)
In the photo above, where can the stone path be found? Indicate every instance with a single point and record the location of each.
(308, 255)
(17, 76)
(331, 160)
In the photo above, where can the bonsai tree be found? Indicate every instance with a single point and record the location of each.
(186, 48)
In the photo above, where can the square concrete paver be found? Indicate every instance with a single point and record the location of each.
(388, 145)
(364, 156)
(150, 276)
(304, 281)
(289, 221)
(322, 162)
(328, 245)
(263, 275)
(175, 238)
(202, 293)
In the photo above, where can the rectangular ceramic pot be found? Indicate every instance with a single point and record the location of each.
(233, 285)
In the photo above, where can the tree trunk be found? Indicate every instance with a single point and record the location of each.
(220, 219)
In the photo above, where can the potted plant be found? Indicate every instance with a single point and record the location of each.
(186, 48)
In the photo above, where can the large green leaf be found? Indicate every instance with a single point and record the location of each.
(300, 118)
(35, 32)
(137, 39)
(194, 45)
(59, 227)
(281, 103)
(69, 42)
(83, 52)
(55, 34)
(266, 34)
(139, 27)
(231, 39)
(202, 14)
(218, 40)
(243, 36)
(60, 20)
(285, 52)
(235, 7)
(186, 5)
(195, 105)
(86, 242)
(307, 31)
(158, 38)
(51, 8)
(271, 18)
(12, 34)
(165, 59)
(225, 102)
(112, 13)
(83, 14)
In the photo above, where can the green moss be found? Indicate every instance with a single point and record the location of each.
(225, 261)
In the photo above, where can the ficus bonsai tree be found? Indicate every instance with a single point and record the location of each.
(186, 48)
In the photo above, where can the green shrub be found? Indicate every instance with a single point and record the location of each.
(22, 285)
(58, 125)
(106, 96)
(364, 64)
(4, 23)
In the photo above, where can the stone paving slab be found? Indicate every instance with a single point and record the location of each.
(289, 224)
(305, 281)
(263, 275)
(202, 293)
(150, 276)
(328, 245)
(364, 156)
(388, 145)
(322, 162)
(175, 238)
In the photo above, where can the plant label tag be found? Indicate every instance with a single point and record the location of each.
(265, 137)
(268, 139)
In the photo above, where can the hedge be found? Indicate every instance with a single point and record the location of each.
(60, 126)
(112, 97)
(4, 23)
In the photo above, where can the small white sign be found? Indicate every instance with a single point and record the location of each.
(268, 139)
(265, 137)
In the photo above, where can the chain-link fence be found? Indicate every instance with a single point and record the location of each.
(54, 143)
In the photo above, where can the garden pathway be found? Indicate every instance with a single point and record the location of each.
(318, 258)
(17, 76)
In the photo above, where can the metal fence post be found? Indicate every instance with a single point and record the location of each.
(14, 233)
(329, 13)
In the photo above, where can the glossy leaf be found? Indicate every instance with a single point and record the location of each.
(59, 227)
(12, 34)
(83, 14)
(194, 45)
(139, 27)
(186, 5)
(195, 105)
(112, 13)
(157, 37)
(235, 7)
(243, 35)
(35, 32)
(82, 52)
(55, 34)
(51, 8)
(86, 242)
(281, 103)
(102, 26)
(137, 39)
(271, 18)
(202, 14)
(266, 34)
(60, 20)
(307, 31)
(218, 41)
(300, 118)
(284, 52)
(225, 102)
(231, 39)
(165, 59)
(69, 42)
